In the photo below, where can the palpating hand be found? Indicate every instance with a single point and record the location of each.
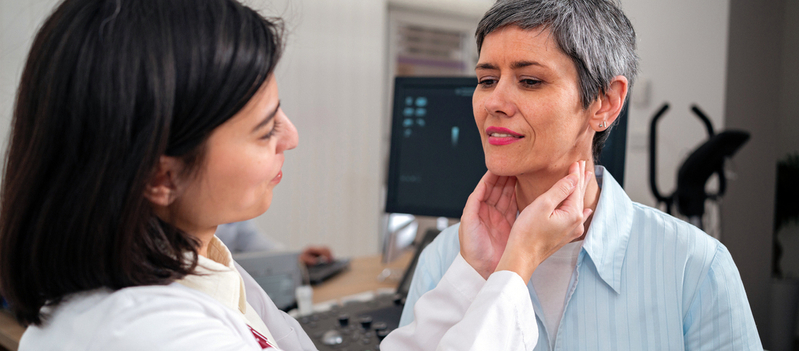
(486, 223)
(552, 220)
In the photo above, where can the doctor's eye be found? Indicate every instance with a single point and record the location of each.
(271, 132)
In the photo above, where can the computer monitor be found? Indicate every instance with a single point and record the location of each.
(436, 156)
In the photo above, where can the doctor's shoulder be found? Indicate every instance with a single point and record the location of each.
(157, 317)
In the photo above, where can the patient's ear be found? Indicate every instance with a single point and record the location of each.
(163, 189)
(609, 104)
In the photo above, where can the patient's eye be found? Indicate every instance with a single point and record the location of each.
(530, 83)
(487, 82)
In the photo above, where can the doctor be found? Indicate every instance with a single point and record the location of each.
(142, 125)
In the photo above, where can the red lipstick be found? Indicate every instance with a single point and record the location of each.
(502, 136)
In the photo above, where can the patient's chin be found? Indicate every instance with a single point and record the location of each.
(503, 170)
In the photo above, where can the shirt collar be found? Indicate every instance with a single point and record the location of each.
(609, 233)
(216, 276)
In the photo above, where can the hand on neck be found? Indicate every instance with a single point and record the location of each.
(531, 185)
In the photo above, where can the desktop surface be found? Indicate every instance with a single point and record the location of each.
(359, 278)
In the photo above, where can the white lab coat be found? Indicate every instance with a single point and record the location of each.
(464, 312)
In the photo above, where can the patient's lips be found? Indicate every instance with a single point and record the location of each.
(502, 136)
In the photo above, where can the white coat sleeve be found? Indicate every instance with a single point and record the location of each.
(466, 312)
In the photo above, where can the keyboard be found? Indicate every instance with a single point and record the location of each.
(355, 325)
(359, 325)
(323, 271)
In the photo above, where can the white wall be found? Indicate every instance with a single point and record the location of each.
(331, 81)
(683, 48)
(18, 23)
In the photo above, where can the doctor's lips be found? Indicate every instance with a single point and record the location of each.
(502, 136)
(278, 177)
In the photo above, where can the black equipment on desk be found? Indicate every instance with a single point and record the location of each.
(323, 271)
(361, 325)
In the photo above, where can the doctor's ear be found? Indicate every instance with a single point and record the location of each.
(163, 188)
(609, 104)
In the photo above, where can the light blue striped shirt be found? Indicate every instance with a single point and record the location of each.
(644, 281)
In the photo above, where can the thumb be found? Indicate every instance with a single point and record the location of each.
(559, 192)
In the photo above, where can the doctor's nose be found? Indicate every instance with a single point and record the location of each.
(290, 138)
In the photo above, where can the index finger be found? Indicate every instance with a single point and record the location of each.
(564, 193)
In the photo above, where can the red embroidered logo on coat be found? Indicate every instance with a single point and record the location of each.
(262, 340)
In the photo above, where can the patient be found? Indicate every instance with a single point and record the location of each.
(553, 76)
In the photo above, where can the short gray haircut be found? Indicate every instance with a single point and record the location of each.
(595, 34)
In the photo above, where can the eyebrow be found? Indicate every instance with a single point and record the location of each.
(514, 65)
(268, 118)
(522, 64)
(485, 66)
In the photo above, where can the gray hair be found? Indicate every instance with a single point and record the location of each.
(595, 34)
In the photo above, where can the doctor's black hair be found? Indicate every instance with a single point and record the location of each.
(108, 88)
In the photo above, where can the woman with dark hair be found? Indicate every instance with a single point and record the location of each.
(139, 127)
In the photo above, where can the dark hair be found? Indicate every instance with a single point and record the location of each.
(595, 34)
(109, 87)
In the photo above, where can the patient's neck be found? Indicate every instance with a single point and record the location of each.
(530, 186)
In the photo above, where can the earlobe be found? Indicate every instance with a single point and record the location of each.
(162, 188)
(610, 104)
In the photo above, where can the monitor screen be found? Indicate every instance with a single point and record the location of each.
(436, 156)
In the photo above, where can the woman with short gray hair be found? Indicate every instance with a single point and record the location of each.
(553, 76)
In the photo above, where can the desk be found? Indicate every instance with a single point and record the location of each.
(361, 277)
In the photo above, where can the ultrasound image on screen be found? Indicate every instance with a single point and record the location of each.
(436, 153)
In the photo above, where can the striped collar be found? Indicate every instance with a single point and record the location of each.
(609, 233)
